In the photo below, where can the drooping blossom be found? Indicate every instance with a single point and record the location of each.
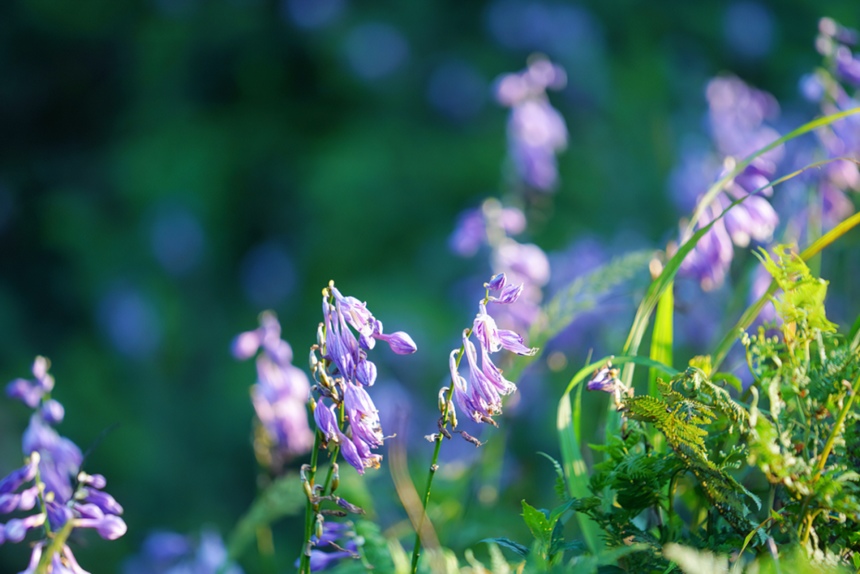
(165, 552)
(53, 478)
(479, 396)
(536, 131)
(737, 115)
(606, 379)
(280, 394)
(348, 332)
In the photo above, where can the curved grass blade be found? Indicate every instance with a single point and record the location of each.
(662, 337)
(659, 285)
(583, 294)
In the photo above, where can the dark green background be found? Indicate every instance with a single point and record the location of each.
(114, 112)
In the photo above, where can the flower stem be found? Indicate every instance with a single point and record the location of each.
(305, 562)
(416, 552)
(822, 460)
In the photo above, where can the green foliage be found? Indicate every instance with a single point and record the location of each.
(696, 506)
(284, 497)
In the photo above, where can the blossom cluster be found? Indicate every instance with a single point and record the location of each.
(343, 372)
(829, 87)
(51, 485)
(536, 131)
(480, 397)
(737, 115)
(280, 395)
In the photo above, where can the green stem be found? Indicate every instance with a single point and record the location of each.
(837, 428)
(305, 563)
(822, 460)
(416, 551)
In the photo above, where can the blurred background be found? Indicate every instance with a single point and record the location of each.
(171, 168)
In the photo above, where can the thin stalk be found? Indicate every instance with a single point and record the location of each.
(837, 428)
(305, 562)
(822, 460)
(416, 551)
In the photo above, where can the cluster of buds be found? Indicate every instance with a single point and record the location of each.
(52, 484)
(480, 398)
(342, 373)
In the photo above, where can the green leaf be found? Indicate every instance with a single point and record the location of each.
(568, 424)
(753, 310)
(561, 483)
(661, 338)
(515, 547)
(537, 523)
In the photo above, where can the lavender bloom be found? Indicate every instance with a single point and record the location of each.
(480, 397)
(345, 372)
(606, 379)
(280, 394)
(31, 392)
(474, 226)
(737, 114)
(536, 131)
(166, 552)
(52, 474)
(848, 66)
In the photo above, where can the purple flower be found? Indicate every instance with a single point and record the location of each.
(32, 392)
(848, 66)
(165, 552)
(474, 226)
(604, 379)
(737, 115)
(53, 469)
(267, 337)
(480, 397)
(339, 541)
(536, 131)
(281, 392)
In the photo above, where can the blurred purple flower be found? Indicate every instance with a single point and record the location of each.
(737, 114)
(165, 552)
(475, 225)
(280, 394)
(536, 131)
(340, 539)
(53, 473)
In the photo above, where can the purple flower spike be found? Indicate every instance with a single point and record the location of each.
(365, 373)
